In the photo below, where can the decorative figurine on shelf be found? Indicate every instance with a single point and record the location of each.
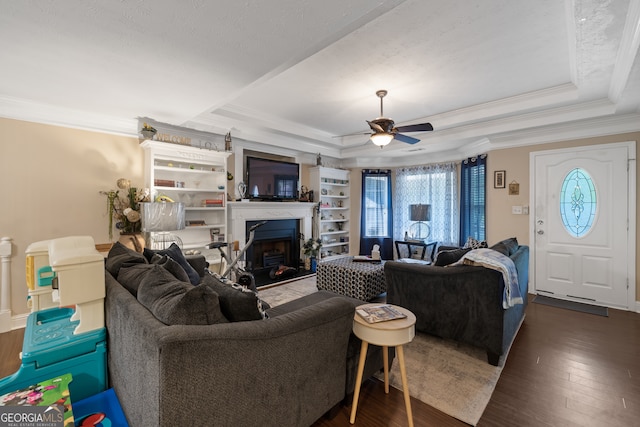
(148, 131)
(319, 160)
(306, 195)
(227, 142)
(242, 189)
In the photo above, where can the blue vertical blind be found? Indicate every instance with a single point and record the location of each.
(472, 198)
(376, 218)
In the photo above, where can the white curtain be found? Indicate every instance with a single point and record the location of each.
(435, 185)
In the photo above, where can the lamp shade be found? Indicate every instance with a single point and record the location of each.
(381, 139)
(162, 216)
(420, 212)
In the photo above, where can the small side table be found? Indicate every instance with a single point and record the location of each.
(389, 333)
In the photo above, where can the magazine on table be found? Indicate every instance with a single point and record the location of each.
(380, 313)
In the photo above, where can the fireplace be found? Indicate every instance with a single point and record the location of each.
(275, 243)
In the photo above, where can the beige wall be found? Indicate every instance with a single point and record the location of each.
(51, 177)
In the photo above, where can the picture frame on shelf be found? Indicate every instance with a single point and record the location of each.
(214, 233)
(499, 179)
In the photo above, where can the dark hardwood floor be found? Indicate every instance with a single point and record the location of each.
(564, 369)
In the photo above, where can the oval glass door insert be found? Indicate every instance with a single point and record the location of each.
(578, 204)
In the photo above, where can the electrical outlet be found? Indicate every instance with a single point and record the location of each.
(525, 210)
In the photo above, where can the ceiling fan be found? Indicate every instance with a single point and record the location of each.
(384, 131)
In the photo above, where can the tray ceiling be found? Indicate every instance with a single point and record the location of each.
(300, 74)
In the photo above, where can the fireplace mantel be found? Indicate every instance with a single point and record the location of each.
(241, 212)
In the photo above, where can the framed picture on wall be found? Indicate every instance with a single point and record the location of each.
(499, 178)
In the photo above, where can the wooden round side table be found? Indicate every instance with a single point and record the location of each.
(388, 333)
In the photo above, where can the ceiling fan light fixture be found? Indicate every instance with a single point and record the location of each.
(381, 139)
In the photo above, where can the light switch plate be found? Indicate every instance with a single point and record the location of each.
(516, 210)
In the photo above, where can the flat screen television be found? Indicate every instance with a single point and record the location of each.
(272, 179)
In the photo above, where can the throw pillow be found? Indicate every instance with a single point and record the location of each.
(511, 244)
(120, 255)
(238, 303)
(500, 247)
(474, 243)
(449, 257)
(506, 247)
(178, 303)
(175, 253)
(130, 276)
(171, 266)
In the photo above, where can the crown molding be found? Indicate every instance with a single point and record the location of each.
(29, 111)
(590, 128)
(627, 52)
(566, 131)
(544, 98)
(590, 119)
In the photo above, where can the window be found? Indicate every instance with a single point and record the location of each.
(472, 199)
(578, 202)
(377, 214)
(376, 203)
(434, 185)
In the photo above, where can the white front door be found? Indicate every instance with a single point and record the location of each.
(581, 228)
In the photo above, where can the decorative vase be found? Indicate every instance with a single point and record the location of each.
(148, 134)
(314, 264)
(134, 241)
(307, 263)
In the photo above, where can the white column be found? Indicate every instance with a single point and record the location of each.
(5, 284)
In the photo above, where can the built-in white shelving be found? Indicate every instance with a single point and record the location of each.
(196, 177)
(331, 188)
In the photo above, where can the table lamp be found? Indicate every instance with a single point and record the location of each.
(420, 213)
(161, 218)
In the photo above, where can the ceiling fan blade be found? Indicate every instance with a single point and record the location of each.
(415, 128)
(405, 138)
(375, 127)
(351, 134)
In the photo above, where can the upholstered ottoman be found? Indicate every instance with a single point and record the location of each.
(344, 276)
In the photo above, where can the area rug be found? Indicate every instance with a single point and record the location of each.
(451, 377)
(572, 305)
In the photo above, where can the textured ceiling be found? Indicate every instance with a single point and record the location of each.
(300, 74)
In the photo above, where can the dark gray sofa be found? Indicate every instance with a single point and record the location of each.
(288, 370)
(463, 302)
(186, 347)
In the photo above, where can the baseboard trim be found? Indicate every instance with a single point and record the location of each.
(19, 321)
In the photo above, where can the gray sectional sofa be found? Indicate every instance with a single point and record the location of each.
(462, 302)
(230, 369)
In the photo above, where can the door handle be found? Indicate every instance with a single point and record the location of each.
(541, 232)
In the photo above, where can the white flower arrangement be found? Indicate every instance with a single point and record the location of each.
(312, 247)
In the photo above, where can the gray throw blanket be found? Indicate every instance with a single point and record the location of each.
(497, 261)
